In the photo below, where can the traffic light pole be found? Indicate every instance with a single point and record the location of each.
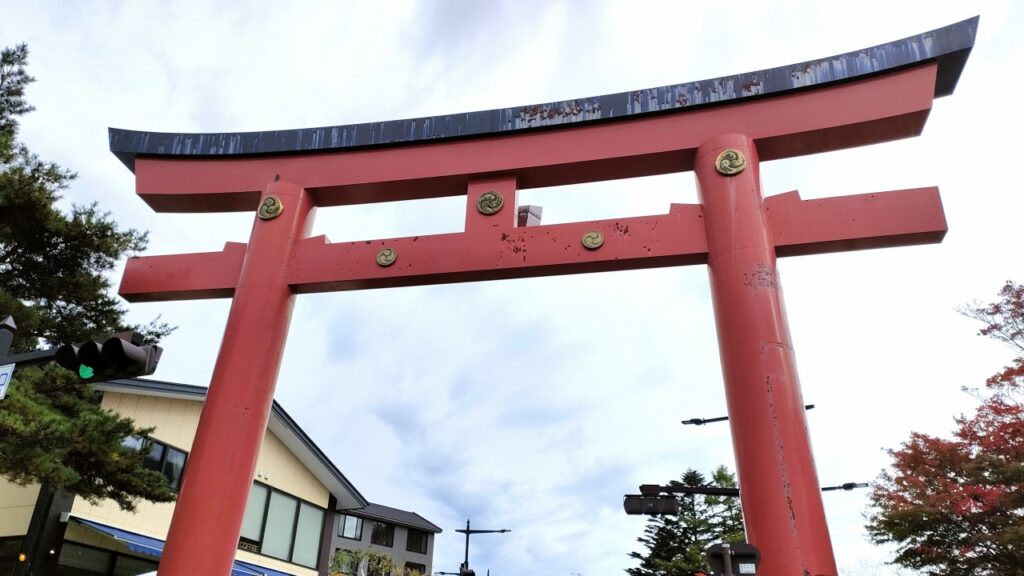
(726, 559)
(7, 330)
(464, 569)
(44, 525)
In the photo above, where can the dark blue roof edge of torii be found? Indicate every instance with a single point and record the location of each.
(949, 46)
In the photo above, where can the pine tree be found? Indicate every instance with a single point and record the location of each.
(54, 268)
(676, 544)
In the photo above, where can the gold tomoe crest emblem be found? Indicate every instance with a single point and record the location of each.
(270, 208)
(730, 162)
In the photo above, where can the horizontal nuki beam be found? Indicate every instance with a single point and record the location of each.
(799, 227)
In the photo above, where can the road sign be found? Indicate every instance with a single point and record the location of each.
(6, 371)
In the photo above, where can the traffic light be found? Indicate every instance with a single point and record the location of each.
(115, 358)
(651, 505)
(466, 570)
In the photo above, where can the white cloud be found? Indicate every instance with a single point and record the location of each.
(535, 404)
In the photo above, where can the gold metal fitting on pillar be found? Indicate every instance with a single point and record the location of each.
(270, 208)
(386, 257)
(730, 162)
(489, 203)
(592, 240)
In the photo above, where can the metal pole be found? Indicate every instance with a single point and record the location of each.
(32, 358)
(468, 531)
(727, 558)
(7, 330)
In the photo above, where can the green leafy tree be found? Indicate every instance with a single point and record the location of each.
(676, 545)
(54, 268)
(375, 563)
(956, 506)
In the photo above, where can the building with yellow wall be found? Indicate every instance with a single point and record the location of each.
(291, 524)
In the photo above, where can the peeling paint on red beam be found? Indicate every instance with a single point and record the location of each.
(183, 276)
(863, 221)
(873, 110)
(675, 239)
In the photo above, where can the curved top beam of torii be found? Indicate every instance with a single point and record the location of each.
(632, 134)
(949, 46)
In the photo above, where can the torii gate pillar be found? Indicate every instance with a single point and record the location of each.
(780, 484)
(241, 391)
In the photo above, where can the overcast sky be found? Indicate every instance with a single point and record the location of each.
(534, 405)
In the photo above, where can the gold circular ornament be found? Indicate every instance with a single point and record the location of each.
(489, 203)
(386, 257)
(270, 208)
(730, 162)
(592, 240)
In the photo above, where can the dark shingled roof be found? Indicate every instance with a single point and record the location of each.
(395, 516)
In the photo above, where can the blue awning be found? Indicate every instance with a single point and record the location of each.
(153, 547)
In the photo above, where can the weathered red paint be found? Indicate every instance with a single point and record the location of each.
(780, 494)
(492, 248)
(207, 519)
(869, 111)
(735, 232)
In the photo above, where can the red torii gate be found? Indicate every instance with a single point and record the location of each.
(720, 128)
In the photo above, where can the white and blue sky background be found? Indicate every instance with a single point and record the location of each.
(535, 404)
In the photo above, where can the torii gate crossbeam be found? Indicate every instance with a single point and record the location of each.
(721, 129)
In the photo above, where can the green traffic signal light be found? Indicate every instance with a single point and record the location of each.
(115, 358)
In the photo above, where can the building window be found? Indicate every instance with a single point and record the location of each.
(350, 527)
(383, 534)
(416, 541)
(158, 456)
(346, 562)
(9, 549)
(414, 569)
(79, 560)
(82, 560)
(282, 526)
(130, 566)
(379, 566)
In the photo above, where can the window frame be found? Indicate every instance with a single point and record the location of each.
(10, 546)
(270, 490)
(148, 442)
(341, 527)
(390, 531)
(114, 557)
(409, 566)
(408, 540)
(355, 565)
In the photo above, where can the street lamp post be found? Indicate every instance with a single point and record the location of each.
(467, 532)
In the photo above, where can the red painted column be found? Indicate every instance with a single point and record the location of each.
(780, 493)
(207, 519)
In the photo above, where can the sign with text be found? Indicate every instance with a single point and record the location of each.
(6, 372)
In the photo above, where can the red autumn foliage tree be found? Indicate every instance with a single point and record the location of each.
(956, 507)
